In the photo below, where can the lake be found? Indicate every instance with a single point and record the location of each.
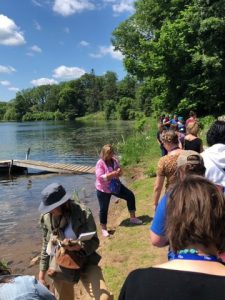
(65, 142)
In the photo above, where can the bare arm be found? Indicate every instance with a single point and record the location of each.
(158, 188)
(158, 240)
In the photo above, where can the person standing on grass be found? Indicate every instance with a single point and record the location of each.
(63, 220)
(167, 165)
(191, 140)
(188, 163)
(195, 227)
(192, 118)
(214, 156)
(107, 171)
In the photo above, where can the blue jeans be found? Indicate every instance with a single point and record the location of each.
(104, 199)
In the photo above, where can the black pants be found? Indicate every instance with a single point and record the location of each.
(104, 199)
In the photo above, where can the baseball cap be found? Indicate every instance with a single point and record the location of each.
(189, 157)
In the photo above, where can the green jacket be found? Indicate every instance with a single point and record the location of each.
(82, 222)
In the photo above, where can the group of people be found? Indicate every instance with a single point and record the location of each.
(187, 132)
(189, 219)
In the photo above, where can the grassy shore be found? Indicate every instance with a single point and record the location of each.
(129, 247)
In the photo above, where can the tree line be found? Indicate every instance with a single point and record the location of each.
(174, 55)
(69, 100)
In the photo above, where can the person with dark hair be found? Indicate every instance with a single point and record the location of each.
(195, 227)
(167, 164)
(24, 287)
(161, 130)
(107, 173)
(63, 221)
(188, 163)
(192, 118)
(214, 156)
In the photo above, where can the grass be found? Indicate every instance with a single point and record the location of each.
(129, 247)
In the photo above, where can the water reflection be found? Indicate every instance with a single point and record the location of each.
(71, 142)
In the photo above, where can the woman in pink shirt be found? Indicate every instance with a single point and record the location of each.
(107, 173)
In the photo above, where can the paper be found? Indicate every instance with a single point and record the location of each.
(86, 236)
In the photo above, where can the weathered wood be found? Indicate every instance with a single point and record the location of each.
(47, 166)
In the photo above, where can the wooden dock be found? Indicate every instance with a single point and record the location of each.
(21, 165)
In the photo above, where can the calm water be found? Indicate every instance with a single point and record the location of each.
(71, 142)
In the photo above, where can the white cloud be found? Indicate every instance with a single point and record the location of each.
(69, 7)
(37, 25)
(103, 51)
(5, 82)
(43, 81)
(35, 48)
(123, 6)
(10, 34)
(13, 89)
(7, 69)
(83, 43)
(64, 72)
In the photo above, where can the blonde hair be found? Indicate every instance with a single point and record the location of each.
(106, 151)
(192, 128)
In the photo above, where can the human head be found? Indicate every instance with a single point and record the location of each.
(170, 138)
(106, 152)
(192, 128)
(174, 127)
(180, 119)
(189, 163)
(53, 196)
(196, 215)
(216, 133)
(192, 114)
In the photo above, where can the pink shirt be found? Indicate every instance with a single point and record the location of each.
(101, 170)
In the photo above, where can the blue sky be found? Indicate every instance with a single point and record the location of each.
(49, 41)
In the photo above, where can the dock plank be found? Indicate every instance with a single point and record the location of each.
(48, 166)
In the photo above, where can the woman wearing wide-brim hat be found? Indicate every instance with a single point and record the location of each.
(63, 220)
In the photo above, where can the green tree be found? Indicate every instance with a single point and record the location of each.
(177, 47)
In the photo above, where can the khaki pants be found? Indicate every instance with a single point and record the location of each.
(91, 286)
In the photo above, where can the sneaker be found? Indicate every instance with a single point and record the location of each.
(135, 221)
(105, 233)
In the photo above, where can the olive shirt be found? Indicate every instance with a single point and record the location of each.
(82, 222)
(167, 167)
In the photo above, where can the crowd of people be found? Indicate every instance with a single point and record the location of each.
(189, 219)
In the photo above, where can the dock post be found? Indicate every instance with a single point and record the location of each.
(10, 167)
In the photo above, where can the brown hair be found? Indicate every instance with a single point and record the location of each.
(196, 214)
(170, 137)
(192, 128)
(174, 127)
(106, 150)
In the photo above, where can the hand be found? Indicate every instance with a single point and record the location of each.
(118, 172)
(71, 245)
(41, 278)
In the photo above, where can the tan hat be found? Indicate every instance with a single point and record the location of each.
(189, 157)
